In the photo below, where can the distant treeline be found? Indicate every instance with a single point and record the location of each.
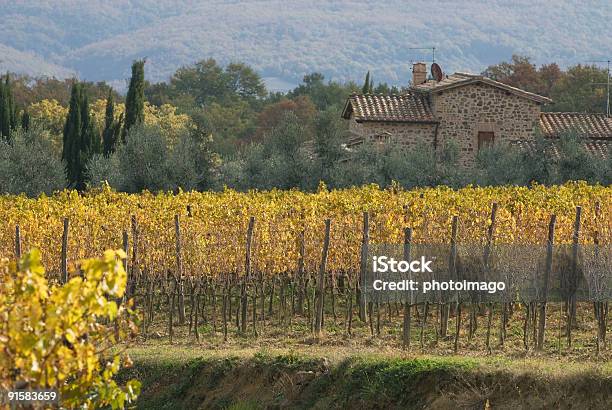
(211, 126)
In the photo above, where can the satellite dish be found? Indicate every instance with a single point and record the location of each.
(436, 72)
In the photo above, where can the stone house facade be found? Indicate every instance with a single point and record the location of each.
(472, 110)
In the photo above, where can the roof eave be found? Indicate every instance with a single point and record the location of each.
(397, 121)
(348, 109)
(521, 93)
(584, 135)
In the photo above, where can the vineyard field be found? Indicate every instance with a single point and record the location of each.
(214, 225)
(230, 264)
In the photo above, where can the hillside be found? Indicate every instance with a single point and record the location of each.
(26, 62)
(286, 39)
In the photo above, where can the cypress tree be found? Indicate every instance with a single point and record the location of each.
(81, 137)
(25, 120)
(8, 110)
(5, 119)
(72, 136)
(92, 141)
(86, 140)
(96, 141)
(371, 85)
(134, 103)
(11, 102)
(92, 145)
(109, 136)
(366, 84)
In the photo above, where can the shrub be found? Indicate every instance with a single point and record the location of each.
(102, 169)
(499, 165)
(142, 160)
(148, 160)
(576, 163)
(29, 164)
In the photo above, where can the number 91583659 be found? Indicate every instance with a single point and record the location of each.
(28, 396)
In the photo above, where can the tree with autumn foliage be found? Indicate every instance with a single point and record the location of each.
(580, 88)
(273, 114)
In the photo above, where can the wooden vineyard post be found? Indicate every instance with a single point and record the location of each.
(179, 269)
(486, 258)
(195, 305)
(423, 322)
(349, 307)
(121, 300)
(548, 268)
(600, 307)
(238, 304)
(148, 307)
(126, 244)
(246, 277)
(453, 273)
(363, 266)
(213, 295)
(194, 294)
(171, 302)
(333, 296)
(444, 306)
(321, 280)
(254, 312)
(134, 260)
(226, 299)
(17, 242)
(408, 301)
(573, 282)
(596, 303)
(262, 301)
(490, 234)
(64, 277)
(271, 299)
(301, 291)
(282, 299)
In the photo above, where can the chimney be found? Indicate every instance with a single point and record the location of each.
(419, 73)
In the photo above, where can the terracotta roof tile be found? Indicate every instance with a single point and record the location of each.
(409, 107)
(598, 126)
(598, 148)
(461, 79)
(430, 85)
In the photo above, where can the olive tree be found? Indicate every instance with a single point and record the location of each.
(29, 164)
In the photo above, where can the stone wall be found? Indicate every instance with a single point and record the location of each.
(465, 111)
(409, 134)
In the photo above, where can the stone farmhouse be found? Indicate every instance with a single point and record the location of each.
(473, 110)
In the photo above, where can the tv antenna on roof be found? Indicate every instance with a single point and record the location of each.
(607, 84)
(433, 51)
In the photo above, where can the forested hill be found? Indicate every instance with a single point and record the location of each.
(285, 39)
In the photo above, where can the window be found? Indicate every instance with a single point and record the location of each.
(485, 139)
